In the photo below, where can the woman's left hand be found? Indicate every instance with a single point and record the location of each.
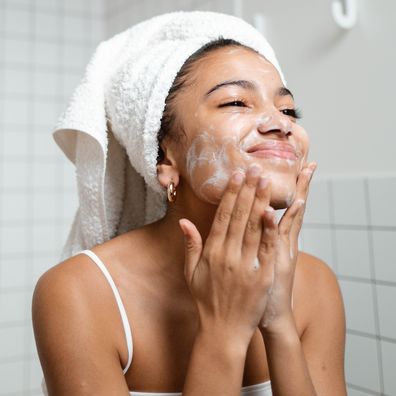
(280, 254)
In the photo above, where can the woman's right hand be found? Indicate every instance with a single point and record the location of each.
(224, 276)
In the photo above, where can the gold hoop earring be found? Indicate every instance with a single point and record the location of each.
(171, 190)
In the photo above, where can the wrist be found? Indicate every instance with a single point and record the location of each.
(280, 328)
(227, 342)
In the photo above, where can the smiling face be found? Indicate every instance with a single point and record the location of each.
(235, 111)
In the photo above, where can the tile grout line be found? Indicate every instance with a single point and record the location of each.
(371, 336)
(2, 126)
(374, 286)
(363, 389)
(29, 196)
(332, 228)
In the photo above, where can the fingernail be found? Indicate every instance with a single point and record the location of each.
(254, 170)
(301, 202)
(312, 166)
(238, 177)
(269, 209)
(263, 182)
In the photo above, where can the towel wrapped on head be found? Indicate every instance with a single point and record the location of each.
(109, 129)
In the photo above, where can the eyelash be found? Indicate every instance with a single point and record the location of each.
(295, 113)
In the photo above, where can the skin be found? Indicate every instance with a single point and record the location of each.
(218, 138)
(208, 288)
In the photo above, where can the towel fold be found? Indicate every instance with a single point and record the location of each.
(109, 129)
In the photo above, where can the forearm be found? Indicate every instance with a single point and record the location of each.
(286, 361)
(216, 365)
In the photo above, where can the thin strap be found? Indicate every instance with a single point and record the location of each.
(127, 328)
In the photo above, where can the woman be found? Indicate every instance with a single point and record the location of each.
(216, 292)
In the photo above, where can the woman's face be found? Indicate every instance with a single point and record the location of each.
(237, 101)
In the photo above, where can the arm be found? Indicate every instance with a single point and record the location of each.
(216, 364)
(315, 365)
(75, 355)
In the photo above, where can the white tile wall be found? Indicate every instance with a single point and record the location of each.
(44, 46)
(319, 209)
(361, 363)
(362, 222)
(382, 193)
(353, 255)
(359, 307)
(389, 364)
(384, 254)
(350, 222)
(386, 310)
(349, 201)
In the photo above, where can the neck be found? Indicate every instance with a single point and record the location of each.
(167, 233)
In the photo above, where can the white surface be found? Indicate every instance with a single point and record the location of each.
(359, 309)
(13, 273)
(317, 210)
(11, 377)
(10, 342)
(318, 243)
(389, 364)
(387, 311)
(349, 201)
(361, 362)
(382, 191)
(353, 253)
(384, 246)
(12, 306)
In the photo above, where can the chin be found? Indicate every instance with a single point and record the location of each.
(282, 193)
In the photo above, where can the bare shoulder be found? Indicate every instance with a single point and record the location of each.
(315, 272)
(316, 289)
(68, 281)
(72, 312)
(321, 307)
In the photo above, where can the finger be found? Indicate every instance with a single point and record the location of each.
(254, 225)
(222, 217)
(298, 221)
(288, 217)
(243, 207)
(192, 248)
(267, 251)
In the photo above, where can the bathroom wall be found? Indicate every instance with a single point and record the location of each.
(348, 225)
(44, 46)
(350, 221)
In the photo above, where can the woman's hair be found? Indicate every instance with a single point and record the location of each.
(169, 124)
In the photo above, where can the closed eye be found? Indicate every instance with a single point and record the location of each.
(238, 103)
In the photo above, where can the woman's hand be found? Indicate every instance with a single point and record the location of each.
(281, 255)
(228, 284)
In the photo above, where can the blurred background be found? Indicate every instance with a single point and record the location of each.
(344, 82)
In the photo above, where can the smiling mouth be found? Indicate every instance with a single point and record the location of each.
(274, 149)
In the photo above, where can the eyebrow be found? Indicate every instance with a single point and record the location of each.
(246, 84)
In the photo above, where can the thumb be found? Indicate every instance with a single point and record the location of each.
(192, 248)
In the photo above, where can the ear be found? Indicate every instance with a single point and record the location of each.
(167, 170)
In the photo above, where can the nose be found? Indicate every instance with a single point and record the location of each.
(275, 122)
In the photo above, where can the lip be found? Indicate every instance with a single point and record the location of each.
(273, 149)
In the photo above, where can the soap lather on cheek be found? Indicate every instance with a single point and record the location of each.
(208, 158)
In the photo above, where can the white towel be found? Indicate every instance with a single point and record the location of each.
(109, 130)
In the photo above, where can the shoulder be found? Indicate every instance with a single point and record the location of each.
(77, 330)
(76, 324)
(314, 272)
(73, 295)
(317, 290)
(68, 278)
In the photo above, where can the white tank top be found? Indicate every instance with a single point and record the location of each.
(262, 389)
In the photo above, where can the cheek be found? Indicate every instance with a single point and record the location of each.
(302, 141)
(210, 161)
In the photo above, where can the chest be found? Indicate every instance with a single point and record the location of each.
(163, 337)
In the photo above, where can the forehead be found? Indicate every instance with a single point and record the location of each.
(232, 62)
